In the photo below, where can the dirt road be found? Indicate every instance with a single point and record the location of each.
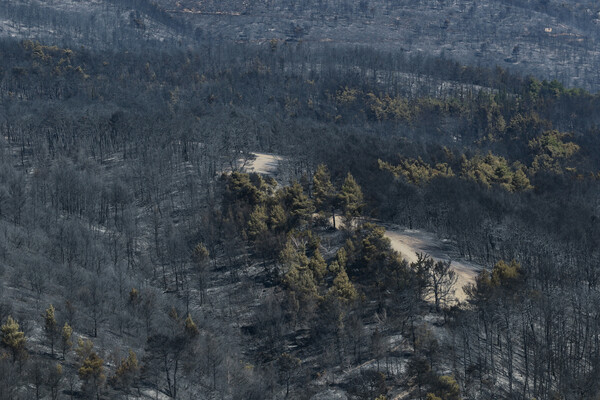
(412, 241)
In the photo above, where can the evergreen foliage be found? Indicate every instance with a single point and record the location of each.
(13, 338)
(65, 337)
(50, 326)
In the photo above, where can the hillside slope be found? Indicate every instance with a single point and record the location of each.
(551, 39)
(546, 38)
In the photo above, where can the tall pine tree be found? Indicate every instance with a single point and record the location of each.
(323, 192)
(50, 327)
(13, 338)
(351, 199)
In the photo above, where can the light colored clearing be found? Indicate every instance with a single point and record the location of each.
(265, 164)
(409, 242)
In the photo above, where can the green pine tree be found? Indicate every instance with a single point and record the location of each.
(127, 373)
(342, 288)
(91, 372)
(324, 192)
(351, 199)
(50, 327)
(298, 205)
(84, 349)
(447, 388)
(65, 338)
(13, 338)
(200, 254)
(290, 255)
(520, 182)
(277, 217)
(318, 266)
(505, 274)
(300, 280)
(191, 330)
(257, 224)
